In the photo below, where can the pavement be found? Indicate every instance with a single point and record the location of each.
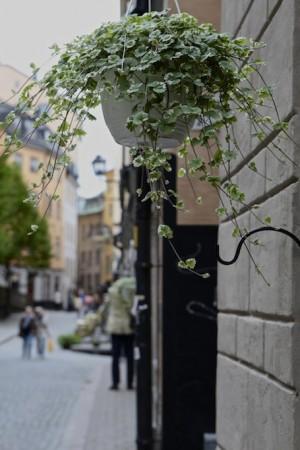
(62, 402)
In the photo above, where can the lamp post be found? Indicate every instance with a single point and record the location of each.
(99, 166)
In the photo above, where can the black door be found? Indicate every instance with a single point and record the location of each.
(189, 338)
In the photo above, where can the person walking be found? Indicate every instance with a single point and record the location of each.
(27, 330)
(42, 331)
(119, 325)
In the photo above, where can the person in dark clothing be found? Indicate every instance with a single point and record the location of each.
(27, 330)
(42, 331)
(119, 325)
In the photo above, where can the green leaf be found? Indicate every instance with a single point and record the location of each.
(181, 172)
(165, 231)
(188, 264)
(267, 220)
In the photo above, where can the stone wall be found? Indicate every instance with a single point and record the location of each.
(259, 326)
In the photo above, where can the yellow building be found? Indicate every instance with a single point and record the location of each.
(96, 253)
(56, 283)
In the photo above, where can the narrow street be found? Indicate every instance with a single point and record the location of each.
(63, 402)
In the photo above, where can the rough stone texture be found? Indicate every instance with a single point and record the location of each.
(281, 351)
(250, 340)
(271, 5)
(270, 414)
(231, 13)
(255, 20)
(227, 334)
(233, 281)
(274, 259)
(278, 53)
(257, 412)
(252, 183)
(232, 405)
(242, 135)
(259, 372)
(278, 168)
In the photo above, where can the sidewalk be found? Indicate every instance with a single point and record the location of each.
(62, 403)
(103, 419)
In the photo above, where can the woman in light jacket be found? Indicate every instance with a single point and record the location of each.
(119, 325)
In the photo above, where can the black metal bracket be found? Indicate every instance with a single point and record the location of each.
(257, 230)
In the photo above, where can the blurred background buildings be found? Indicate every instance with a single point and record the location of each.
(258, 367)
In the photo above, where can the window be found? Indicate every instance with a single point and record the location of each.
(98, 228)
(90, 258)
(34, 164)
(82, 257)
(58, 209)
(97, 256)
(89, 282)
(57, 247)
(18, 159)
(83, 232)
(96, 282)
(56, 283)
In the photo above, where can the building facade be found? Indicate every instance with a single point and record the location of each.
(90, 248)
(55, 283)
(97, 225)
(259, 331)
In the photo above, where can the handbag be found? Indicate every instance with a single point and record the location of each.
(50, 345)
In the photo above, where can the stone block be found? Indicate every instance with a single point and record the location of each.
(227, 334)
(226, 202)
(296, 87)
(278, 72)
(296, 254)
(252, 183)
(254, 412)
(232, 12)
(231, 405)
(296, 359)
(282, 350)
(241, 133)
(250, 340)
(297, 424)
(233, 281)
(274, 258)
(255, 20)
(271, 5)
(270, 414)
(278, 167)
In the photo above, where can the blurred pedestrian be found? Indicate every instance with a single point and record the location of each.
(27, 331)
(119, 325)
(42, 331)
(77, 303)
(88, 303)
(57, 299)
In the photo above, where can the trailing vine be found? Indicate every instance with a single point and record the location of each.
(171, 69)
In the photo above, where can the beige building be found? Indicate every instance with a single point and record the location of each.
(56, 282)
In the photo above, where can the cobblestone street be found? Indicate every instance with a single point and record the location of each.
(63, 402)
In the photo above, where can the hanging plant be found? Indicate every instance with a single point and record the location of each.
(155, 75)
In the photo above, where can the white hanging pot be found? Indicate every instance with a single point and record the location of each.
(117, 111)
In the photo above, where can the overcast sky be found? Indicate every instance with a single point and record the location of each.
(28, 28)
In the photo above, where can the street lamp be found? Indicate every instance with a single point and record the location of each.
(99, 165)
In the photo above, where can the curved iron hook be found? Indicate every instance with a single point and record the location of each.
(257, 230)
